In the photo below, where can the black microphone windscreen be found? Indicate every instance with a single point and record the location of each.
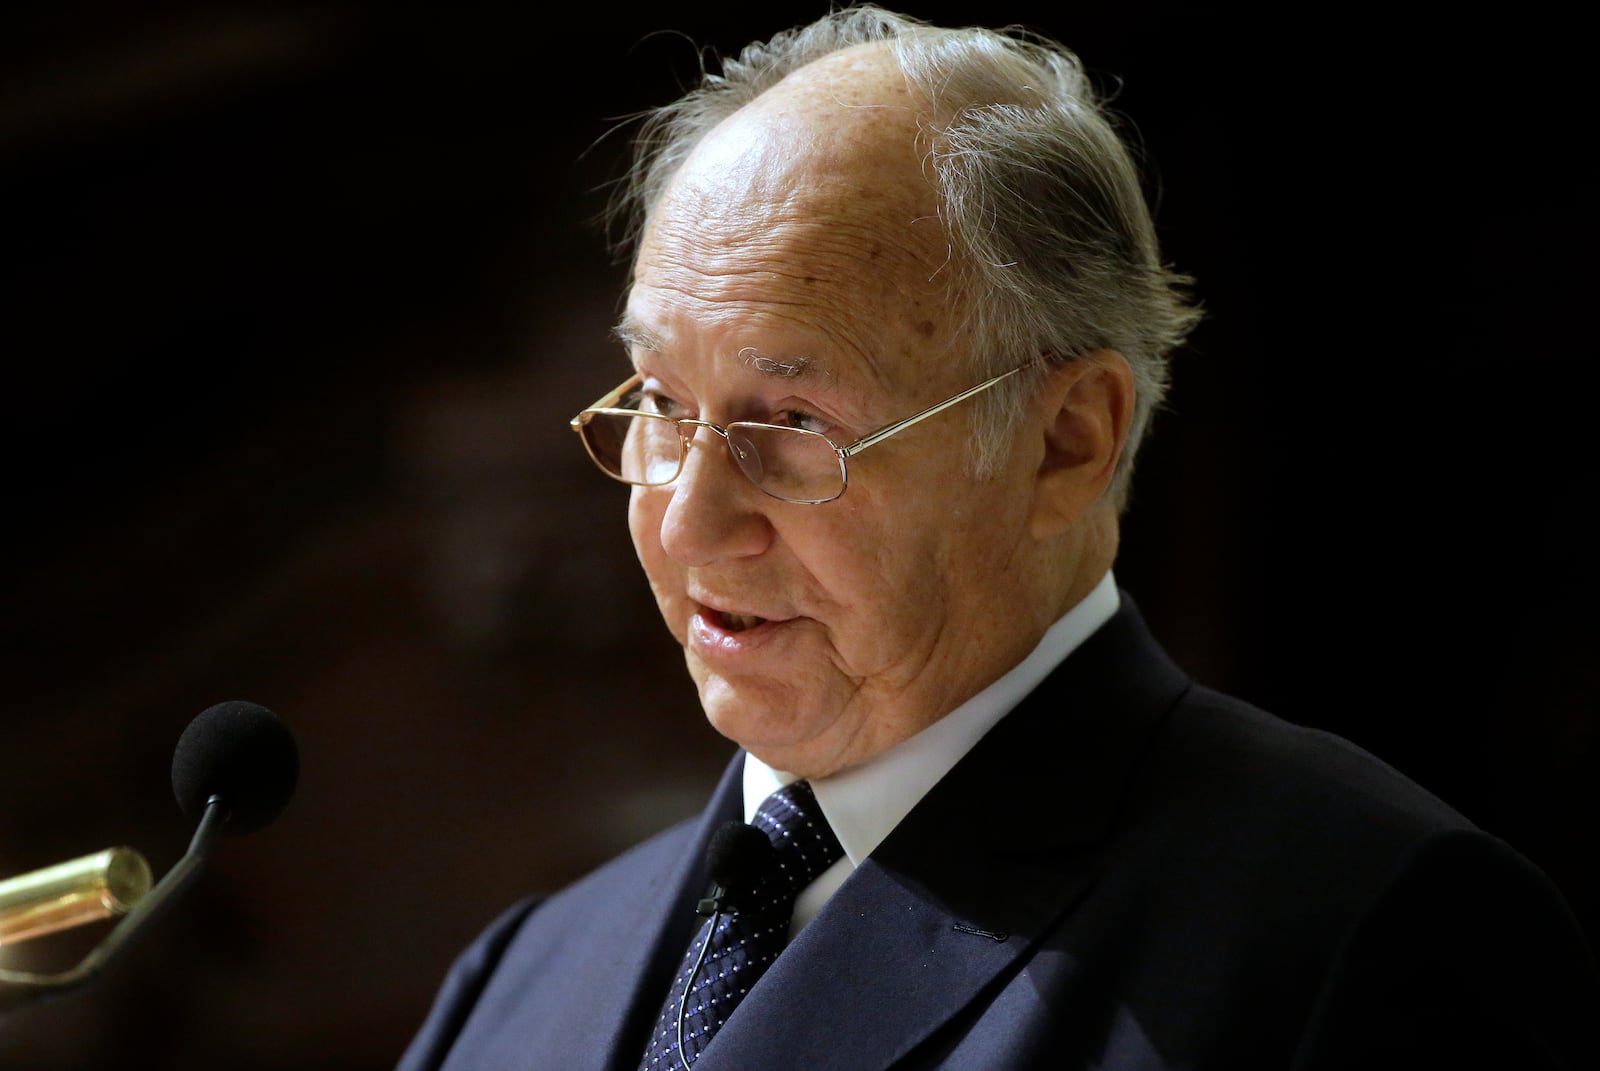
(239, 751)
(736, 854)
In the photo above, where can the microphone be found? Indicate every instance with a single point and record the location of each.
(241, 753)
(233, 770)
(735, 856)
(85, 889)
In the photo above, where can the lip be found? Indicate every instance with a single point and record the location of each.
(709, 639)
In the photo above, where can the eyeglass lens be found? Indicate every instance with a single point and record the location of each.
(788, 463)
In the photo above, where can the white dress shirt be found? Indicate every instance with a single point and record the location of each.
(864, 803)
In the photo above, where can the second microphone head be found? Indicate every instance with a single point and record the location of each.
(242, 752)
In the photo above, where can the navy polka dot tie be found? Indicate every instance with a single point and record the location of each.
(734, 948)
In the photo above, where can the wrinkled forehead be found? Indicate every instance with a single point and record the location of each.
(812, 204)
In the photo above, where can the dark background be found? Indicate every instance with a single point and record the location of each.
(295, 302)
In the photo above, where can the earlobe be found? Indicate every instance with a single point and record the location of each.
(1087, 408)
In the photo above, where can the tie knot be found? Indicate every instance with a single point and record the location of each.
(736, 946)
(803, 841)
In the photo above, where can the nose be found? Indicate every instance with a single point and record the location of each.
(713, 512)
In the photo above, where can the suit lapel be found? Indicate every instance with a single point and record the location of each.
(982, 869)
(653, 959)
(600, 988)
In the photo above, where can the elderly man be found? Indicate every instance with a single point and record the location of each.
(897, 323)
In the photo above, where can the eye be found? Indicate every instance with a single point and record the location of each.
(651, 399)
(800, 418)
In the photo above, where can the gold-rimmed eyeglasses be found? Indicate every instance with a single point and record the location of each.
(647, 449)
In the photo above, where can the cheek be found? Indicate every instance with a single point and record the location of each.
(644, 525)
(887, 574)
(930, 566)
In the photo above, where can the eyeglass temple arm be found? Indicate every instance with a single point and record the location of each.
(605, 400)
(883, 433)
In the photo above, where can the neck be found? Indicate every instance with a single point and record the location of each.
(1081, 558)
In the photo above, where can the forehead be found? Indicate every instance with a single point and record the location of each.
(805, 228)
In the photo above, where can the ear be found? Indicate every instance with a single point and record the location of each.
(1086, 409)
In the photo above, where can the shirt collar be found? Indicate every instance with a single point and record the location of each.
(864, 803)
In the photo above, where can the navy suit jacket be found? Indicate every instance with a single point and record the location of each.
(1129, 871)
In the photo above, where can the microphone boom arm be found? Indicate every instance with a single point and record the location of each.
(18, 987)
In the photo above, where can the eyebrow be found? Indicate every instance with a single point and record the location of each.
(631, 333)
(787, 367)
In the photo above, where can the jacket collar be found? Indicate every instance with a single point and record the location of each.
(991, 860)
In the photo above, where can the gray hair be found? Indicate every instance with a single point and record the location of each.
(1040, 197)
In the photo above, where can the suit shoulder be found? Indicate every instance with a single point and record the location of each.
(1307, 773)
(489, 979)
(1469, 957)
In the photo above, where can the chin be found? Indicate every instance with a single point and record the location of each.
(758, 716)
(736, 712)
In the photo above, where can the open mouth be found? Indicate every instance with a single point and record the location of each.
(734, 622)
